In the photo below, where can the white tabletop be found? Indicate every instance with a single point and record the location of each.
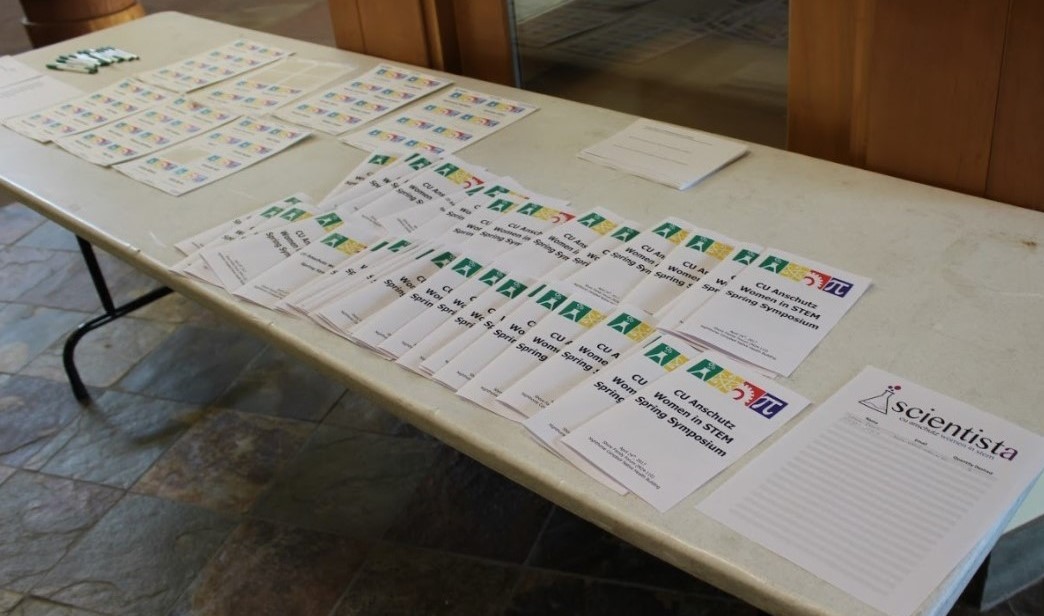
(956, 304)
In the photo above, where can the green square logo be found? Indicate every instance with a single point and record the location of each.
(551, 300)
(745, 256)
(466, 267)
(491, 277)
(624, 234)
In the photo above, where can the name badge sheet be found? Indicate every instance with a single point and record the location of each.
(883, 490)
(88, 111)
(444, 125)
(210, 157)
(348, 105)
(212, 66)
(268, 89)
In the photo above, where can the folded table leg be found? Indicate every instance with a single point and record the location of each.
(111, 312)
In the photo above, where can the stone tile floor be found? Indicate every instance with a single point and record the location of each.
(215, 475)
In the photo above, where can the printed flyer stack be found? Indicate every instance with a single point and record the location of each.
(639, 353)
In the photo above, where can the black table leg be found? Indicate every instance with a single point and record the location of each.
(110, 314)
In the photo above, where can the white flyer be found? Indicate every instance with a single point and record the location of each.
(637, 368)
(684, 266)
(545, 339)
(677, 433)
(671, 316)
(145, 132)
(237, 262)
(378, 91)
(242, 223)
(775, 312)
(212, 66)
(349, 310)
(614, 275)
(207, 158)
(312, 261)
(598, 347)
(383, 181)
(625, 232)
(117, 101)
(266, 90)
(374, 162)
(442, 180)
(410, 221)
(338, 280)
(452, 121)
(883, 490)
(541, 301)
(467, 325)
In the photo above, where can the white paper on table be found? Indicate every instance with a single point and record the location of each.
(883, 490)
(683, 266)
(468, 324)
(347, 311)
(774, 313)
(383, 181)
(672, 155)
(617, 382)
(231, 229)
(377, 92)
(672, 315)
(548, 337)
(24, 89)
(625, 232)
(452, 121)
(312, 261)
(539, 302)
(235, 263)
(411, 220)
(217, 154)
(212, 66)
(374, 162)
(677, 433)
(447, 179)
(598, 347)
(338, 280)
(613, 276)
(268, 89)
(145, 132)
(89, 111)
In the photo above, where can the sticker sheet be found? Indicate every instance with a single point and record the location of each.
(450, 122)
(212, 66)
(89, 111)
(268, 89)
(145, 132)
(351, 104)
(210, 157)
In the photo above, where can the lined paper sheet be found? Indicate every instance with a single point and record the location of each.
(878, 492)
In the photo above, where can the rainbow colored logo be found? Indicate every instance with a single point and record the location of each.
(508, 107)
(223, 162)
(810, 277)
(443, 111)
(738, 388)
(402, 96)
(340, 97)
(312, 109)
(391, 74)
(413, 144)
(414, 123)
(362, 85)
(386, 136)
(423, 82)
(480, 120)
(452, 133)
(370, 106)
(161, 164)
(255, 148)
(96, 139)
(467, 97)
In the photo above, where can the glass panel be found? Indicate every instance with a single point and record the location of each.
(716, 65)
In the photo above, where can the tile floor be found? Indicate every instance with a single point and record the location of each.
(214, 475)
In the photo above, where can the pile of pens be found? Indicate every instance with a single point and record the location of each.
(90, 60)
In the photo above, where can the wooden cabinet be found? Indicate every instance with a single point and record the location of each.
(945, 92)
